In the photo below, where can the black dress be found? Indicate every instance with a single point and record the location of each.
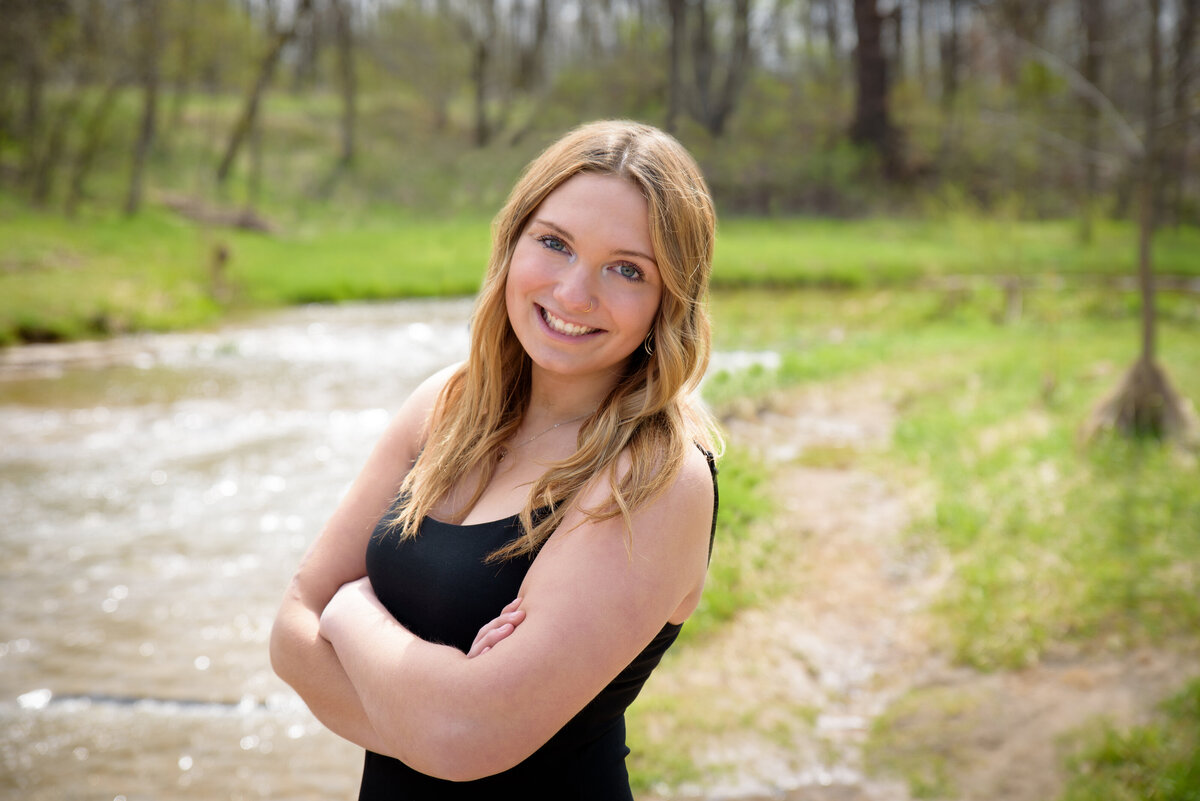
(439, 586)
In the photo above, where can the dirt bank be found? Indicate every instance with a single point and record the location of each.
(792, 688)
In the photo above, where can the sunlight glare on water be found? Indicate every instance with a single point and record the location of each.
(156, 496)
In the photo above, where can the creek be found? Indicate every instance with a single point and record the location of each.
(156, 494)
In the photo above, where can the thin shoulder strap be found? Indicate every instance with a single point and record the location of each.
(712, 467)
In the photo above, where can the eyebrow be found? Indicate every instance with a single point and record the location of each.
(558, 229)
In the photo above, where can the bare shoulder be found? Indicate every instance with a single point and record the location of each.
(689, 497)
(411, 424)
(682, 511)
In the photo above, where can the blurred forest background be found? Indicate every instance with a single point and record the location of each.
(829, 107)
(969, 226)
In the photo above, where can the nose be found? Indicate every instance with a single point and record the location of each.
(575, 291)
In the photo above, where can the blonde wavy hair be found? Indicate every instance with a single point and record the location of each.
(653, 411)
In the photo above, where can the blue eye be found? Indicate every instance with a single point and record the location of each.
(552, 243)
(629, 271)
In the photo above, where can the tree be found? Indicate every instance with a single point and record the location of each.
(249, 114)
(713, 105)
(530, 56)
(149, 37)
(1175, 153)
(677, 14)
(710, 101)
(1145, 403)
(872, 124)
(348, 78)
(950, 51)
(1093, 17)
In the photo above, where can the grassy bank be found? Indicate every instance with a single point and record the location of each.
(100, 275)
(1055, 547)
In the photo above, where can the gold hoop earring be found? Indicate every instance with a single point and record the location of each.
(648, 344)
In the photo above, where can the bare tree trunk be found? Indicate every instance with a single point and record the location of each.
(187, 54)
(739, 60)
(482, 38)
(149, 27)
(897, 55)
(950, 55)
(833, 33)
(922, 64)
(712, 106)
(530, 62)
(249, 112)
(702, 62)
(1176, 154)
(307, 37)
(677, 9)
(872, 125)
(479, 64)
(349, 80)
(1093, 16)
(1146, 404)
(1149, 180)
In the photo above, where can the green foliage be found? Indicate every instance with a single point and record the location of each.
(1052, 542)
(1159, 761)
(736, 574)
(105, 274)
(918, 738)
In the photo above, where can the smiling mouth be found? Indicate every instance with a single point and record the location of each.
(562, 326)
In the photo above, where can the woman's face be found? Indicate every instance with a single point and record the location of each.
(583, 287)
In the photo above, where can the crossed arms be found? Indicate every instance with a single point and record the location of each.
(587, 607)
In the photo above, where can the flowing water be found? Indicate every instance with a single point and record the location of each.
(156, 493)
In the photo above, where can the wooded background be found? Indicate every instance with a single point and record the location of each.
(833, 107)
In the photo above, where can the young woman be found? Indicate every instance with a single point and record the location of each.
(534, 527)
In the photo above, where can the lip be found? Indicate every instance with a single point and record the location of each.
(541, 312)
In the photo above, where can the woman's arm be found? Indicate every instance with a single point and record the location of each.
(299, 655)
(591, 605)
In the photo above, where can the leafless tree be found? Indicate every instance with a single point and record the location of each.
(1092, 13)
(872, 122)
(348, 78)
(1146, 403)
(284, 33)
(149, 26)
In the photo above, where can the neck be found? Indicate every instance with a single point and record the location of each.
(555, 398)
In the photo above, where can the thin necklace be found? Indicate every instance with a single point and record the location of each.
(504, 451)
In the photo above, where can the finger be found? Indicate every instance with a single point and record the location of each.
(514, 617)
(486, 641)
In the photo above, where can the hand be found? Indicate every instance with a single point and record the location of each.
(345, 605)
(497, 629)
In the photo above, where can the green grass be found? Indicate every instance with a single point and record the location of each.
(99, 275)
(871, 252)
(739, 557)
(1052, 542)
(103, 273)
(1159, 761)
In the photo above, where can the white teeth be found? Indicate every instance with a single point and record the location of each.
(563, 327)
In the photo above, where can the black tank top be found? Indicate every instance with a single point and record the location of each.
(439, 586)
